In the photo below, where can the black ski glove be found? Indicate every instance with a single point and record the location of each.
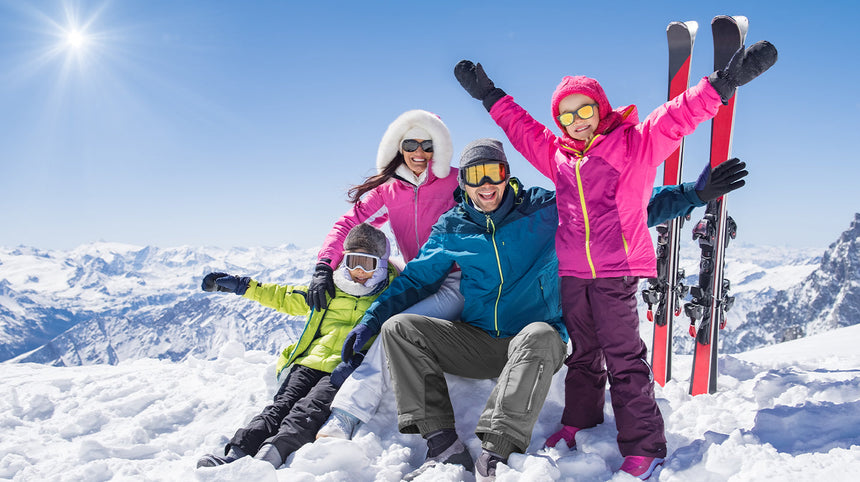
(473, 78)
(225, 282)
(725, 178)
(321, 283)
(744, 66)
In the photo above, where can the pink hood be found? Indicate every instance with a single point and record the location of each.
(580, 84)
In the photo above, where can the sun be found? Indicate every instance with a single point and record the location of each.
(75, 39)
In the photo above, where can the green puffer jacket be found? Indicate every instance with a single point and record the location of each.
(322, 339)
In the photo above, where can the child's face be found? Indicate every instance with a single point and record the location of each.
(581, 129)
(358, 274)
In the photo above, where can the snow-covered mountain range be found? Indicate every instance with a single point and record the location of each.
(109, 302)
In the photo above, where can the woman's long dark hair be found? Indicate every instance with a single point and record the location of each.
(355, 193)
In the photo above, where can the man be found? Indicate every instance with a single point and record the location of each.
(502, 236)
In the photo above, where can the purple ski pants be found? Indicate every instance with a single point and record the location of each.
(603, 324)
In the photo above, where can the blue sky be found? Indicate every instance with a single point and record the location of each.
(244, 123)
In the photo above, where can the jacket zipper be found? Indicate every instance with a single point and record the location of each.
(585, 219)
(490, 224)
(534, 388)
(417, 237)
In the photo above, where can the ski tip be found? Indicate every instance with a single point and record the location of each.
(690, 26)
(739, 20)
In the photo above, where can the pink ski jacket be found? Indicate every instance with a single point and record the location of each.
(603, 189)
(411, 211)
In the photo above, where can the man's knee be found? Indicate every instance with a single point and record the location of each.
(541, 339)
(399, 325)
(540, 334)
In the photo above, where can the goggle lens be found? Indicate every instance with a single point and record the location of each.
(365, 262)
(584, 112)
(492, 172)
(411, 145)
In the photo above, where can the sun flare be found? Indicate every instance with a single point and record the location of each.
(75, 39)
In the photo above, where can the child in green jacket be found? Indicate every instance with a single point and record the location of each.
(303, 401)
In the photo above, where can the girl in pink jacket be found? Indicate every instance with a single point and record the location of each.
(603, 167)
(414, 185)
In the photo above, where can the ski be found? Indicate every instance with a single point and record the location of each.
(665, 292)
(710, 299)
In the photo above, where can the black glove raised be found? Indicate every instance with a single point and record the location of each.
(225, 282)
(209, 282)
(725, 178)
(473, 78)
(233, 284)
(322, 282)
(744, 66)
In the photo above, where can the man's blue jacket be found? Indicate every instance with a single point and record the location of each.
(507, 258)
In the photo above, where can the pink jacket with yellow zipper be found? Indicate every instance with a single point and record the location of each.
(603, 189)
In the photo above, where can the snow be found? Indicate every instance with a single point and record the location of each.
(784, 412)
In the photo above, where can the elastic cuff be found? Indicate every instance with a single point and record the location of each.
(493, 97)
(500, 444)
(425, 427)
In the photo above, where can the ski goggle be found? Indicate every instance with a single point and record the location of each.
(362, 261)
(494, 172)
(585, 112)
(411, 145)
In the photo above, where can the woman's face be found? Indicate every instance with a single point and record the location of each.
(581, 129)
(416, 160)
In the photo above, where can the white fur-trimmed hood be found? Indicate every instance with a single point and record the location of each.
(443, 148)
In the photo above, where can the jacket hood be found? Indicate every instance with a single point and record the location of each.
(580, 84)
(443, 148)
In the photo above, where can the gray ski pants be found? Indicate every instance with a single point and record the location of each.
(421, 349)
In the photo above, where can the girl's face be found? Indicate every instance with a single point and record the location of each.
(359, 275)
(581, 129)
(418, 159)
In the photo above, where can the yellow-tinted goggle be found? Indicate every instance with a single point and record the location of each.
(494, 172)
(585, 112)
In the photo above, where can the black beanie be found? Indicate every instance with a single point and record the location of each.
(480, 151)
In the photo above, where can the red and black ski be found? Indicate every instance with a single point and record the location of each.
(665, 292)
(710, 299)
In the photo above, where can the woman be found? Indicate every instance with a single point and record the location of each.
(413, 186)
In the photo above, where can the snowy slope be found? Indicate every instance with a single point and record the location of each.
(784, 412)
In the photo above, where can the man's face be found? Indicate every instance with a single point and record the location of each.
(487, 196)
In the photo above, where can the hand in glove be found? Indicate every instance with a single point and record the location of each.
(725, 178)
(226, 283)
(322, 282)
(355, 341)
(473, 78)
(209, 282)
(344, 369)
(744, 66)
(566, 433)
